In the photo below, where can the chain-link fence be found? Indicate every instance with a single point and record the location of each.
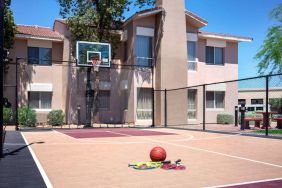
(120, 95)
(247, 106)
(124, 95)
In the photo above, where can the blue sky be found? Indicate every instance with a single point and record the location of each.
(239, 17)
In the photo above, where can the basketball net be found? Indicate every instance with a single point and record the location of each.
(95, 63)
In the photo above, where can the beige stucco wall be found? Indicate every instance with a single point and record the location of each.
(172, 59)
(214, 73)
(249, 94)
(170, 54)
(29, 74)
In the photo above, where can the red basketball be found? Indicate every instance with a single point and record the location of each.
(158, 154)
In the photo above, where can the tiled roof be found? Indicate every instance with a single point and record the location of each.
(37, 31)
(207, 33)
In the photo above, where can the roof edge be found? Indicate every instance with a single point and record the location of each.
(196, 17)
(26, 36)
(214, 35)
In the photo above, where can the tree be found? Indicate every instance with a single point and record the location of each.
(270, 53)
(96, 20)
(9, 26)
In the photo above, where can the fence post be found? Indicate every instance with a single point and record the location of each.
(17, 96)
(1, 74)
(165, 112)
(266, 98)
(236, 116)
(153, 97)
(204, 107)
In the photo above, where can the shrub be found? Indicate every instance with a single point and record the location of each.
(55, 117)
(253, 114)
(26, 116)
(7, 115)
(225, 118)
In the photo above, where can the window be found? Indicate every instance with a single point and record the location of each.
(191, 49)
(143, 48)
(214, 55)
(256, 101)
(40, 100)
(241, 101)
(144, 103)
(41, 56)
(192, 103)
(215, 99)
(104, 100)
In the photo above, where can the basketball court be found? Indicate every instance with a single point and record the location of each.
(100, 158)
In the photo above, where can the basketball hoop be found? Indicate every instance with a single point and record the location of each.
(95, 63)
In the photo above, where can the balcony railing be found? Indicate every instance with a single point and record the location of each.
(144, 61)
(192, 65)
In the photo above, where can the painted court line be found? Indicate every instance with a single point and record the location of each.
(213, 152)
(246, 183)
(40, 168)
(194, 148)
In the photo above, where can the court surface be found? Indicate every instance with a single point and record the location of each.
(100, 157)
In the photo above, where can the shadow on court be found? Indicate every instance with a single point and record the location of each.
(17, 168)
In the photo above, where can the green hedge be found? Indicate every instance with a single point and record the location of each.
(55, 118)
(7, 115)
(250, 114)
(225, 118)
(26, 117)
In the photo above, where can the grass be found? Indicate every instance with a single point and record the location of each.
(271, 131)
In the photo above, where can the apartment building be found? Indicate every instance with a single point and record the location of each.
(168, 37)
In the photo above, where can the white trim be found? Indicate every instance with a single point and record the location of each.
(225, 37)
(245, 183)
(93, 52)
(37, 38)
(192, 119)
(87, 42)
(193, 37)
(39, 166)
(40, 87)
(216, 87)
(145, 31)
(42, 110)
(189, 14)
(150, 13)
(39, 44)
(259, 89)
(214, 109)
(216, 43)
